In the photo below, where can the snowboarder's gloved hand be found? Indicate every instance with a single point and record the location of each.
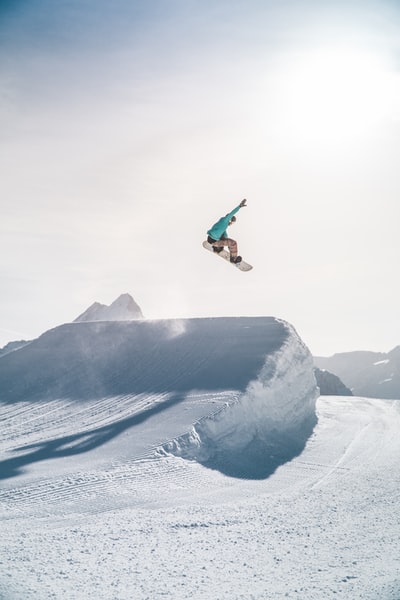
(243, 203)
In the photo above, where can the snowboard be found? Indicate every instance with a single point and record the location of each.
(242, 266)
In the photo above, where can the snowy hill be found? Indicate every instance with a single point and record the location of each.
(261, 375)
(190, 459)
(370, 374)
(124, 308)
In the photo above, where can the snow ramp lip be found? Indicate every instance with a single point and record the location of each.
(266, 426)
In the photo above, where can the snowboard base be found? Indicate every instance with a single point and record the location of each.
(242, 266)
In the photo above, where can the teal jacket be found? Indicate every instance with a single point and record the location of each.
(218, 230)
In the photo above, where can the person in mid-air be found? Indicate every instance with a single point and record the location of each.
(218, 238)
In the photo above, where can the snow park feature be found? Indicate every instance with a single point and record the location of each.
(242, 407)
(191, 458)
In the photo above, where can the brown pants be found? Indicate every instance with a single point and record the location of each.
(232, 245)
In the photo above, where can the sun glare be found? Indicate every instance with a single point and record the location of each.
(335, 95)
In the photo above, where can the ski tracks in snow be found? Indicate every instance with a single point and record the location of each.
(147, 526)
(350, 432)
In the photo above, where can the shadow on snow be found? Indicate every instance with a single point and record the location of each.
(260, 458)
(72, 445)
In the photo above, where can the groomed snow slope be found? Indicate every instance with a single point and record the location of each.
(94, 505)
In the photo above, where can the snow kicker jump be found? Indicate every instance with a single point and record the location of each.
(163, 384)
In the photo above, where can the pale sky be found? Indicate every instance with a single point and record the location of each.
(128, 128)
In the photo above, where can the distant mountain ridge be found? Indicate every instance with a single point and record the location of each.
(330, 384)
(124, 308)
(369, 374)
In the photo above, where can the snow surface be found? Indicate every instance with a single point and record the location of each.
(12, 346)
(184, 459)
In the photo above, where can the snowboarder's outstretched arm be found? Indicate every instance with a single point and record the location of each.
(229, 216)
(218, 230)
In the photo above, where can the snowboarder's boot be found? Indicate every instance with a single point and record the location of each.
(236, 259)
(218, 250)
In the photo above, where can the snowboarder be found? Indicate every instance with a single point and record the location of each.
(218, 238)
